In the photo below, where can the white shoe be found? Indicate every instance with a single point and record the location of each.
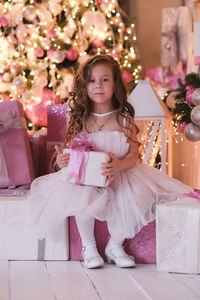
(92, 262)
(117, 255)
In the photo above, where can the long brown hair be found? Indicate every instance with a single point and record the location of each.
(81, 105)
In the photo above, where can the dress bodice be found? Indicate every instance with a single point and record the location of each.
(111, 141)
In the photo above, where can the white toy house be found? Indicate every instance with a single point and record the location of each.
(148, 106)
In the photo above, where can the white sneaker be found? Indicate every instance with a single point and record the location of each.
(116, 254)
(92, 262)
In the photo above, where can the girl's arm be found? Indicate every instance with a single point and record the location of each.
(116, 165)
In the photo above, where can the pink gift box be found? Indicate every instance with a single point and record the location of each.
(16, 158)
(142, 246)
(38, 142)
(56, 131)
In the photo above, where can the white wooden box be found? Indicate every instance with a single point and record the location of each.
(92, 172)
(18, 241)
(178, 236)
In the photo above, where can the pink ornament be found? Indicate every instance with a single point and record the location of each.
(50, 53)
(190, 89)
(98, 44)
(99, 1)
(1, 77)
(37, 113)
(181, 126)
(51, 34)
(71, 54)
(6, 97)
(39, 52)
(3, 21)
(127, 76)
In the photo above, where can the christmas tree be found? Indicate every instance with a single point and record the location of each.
(42, 44)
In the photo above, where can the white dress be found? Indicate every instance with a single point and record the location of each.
(127, 205)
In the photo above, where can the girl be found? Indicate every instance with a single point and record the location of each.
(99, 106)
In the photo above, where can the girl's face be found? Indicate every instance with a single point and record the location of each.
(100, 88)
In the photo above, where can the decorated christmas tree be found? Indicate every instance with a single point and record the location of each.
(42, 44)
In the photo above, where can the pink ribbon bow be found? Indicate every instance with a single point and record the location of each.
(193, 195)
(80, 148)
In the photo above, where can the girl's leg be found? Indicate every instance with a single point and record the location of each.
(115, 253)
(91, 257)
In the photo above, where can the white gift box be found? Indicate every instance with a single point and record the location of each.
(93, 172)
(19, 241)
(178, 236)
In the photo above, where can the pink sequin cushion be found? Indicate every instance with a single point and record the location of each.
(142, 246)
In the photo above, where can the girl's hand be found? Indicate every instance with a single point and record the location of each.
(112, 168)
(62, 158)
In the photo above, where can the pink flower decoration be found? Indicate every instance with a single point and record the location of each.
(181, 126)
(39, 52)
(6, 97)
(127, 76)
(51, 34)
(190, 90)
(3, 21)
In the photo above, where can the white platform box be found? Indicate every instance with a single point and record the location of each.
(19, 242)
(178, 236)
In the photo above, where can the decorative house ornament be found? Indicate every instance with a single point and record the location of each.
(148, 106)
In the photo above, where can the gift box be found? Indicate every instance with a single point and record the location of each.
(142, 246)
(16, 166)
(38, 142)
(178, 236)
(91, 164)
(175, 36)
(56, 132)
(18, 238)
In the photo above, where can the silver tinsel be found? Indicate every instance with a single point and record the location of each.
(192, 132)
(195, 115)
(196, 97)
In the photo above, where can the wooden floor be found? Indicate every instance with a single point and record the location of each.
(34, 280)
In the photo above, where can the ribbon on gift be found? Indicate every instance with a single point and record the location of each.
(10, 120)
(4, 179)
(80, 148)
(171, 43)
(7, 121)
(193, 195)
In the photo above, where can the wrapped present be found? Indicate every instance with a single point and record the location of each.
(84, 163)
(175, 36)
(16, 231)
(38, 142)
(142, 246)
(16, 166)
(56, 131)
(178, 236)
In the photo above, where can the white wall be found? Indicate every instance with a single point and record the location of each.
(148, 27)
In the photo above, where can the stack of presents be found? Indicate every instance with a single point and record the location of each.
(172, 241)
(180, 47)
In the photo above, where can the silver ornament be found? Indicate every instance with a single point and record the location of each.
(195, 115)
(30, 13)
(196, 97)
(192, 132)
(59, 56)
(171, 101)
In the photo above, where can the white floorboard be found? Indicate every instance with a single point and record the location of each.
(29, 281)
(114, 284)
(161, 285)
(69, 281)
(33, 280)
(4, 280)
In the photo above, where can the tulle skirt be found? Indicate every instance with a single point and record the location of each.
(127, 205)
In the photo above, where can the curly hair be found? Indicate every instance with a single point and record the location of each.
(81, 105)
